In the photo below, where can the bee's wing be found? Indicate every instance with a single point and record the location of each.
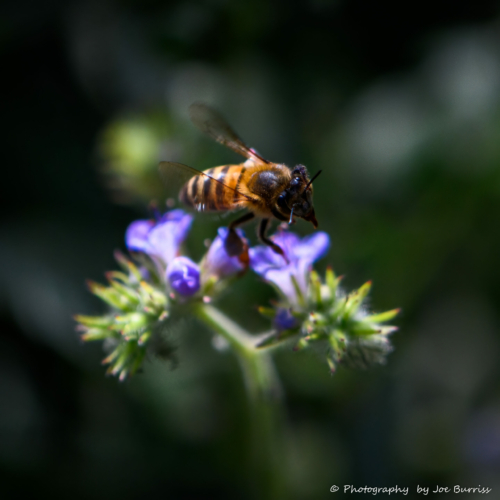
(175, 176)
(214, 125)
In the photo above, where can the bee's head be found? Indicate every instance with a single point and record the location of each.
(297, 197)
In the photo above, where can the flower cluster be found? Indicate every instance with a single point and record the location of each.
(158, 243)
(138, 308)
(145, 294)
(142, 297)
(313, 312)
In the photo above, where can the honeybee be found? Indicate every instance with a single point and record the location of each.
(266, 189)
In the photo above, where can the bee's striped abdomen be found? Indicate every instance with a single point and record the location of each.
(205, 194)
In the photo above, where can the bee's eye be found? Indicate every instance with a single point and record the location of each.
(281, 201)
(296, 181)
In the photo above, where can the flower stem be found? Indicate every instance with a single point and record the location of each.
(266, 402)
(240, 340)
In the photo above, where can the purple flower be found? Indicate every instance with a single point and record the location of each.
(183, 275)
(301, 253)
(217, 262)
(284, 320)
(159, 239)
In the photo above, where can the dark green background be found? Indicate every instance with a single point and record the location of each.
(398, 106)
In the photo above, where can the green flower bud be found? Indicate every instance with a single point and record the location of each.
(137, 309)
(327, 316)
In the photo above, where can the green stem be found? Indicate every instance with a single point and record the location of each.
(240, 340)
(266, 401)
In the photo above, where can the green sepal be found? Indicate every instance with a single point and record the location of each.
(301, 344)
(300, 297)
(334, 344)
(96, 334)
(342, 339)
(355, 299)
(338, 308)
(331, 364)
(94, 321)
(332, 281)
(119, 276)
(128, 265)
(314, 337)
(125, 359)
(316, 289)
(209, 285)
(361, 328)
(112, 356)
(382, 317)
(132, 322)
(121, 359)
(267, 312)
(318, 320)
(151, 296)
(143, 339)
(135, 365)
(387, 330)
(125, 291)
(110, 296)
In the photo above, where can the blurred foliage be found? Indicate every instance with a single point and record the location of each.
(401, 111)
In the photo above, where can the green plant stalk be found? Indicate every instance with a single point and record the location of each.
(265, 396)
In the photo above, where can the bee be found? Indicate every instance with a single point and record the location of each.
(267, 190)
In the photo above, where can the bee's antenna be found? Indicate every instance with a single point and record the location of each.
(310, 182)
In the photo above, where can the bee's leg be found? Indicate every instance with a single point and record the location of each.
(234, 245)
(267, 241)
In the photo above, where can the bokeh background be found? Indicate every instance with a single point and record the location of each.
(399, 105)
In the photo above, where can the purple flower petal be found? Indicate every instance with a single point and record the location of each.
(263, 258)
(218, 262)
(300, 254)
(160, 239)
(136, 236)
(312, 247)
(183, 275)
(287, 240)
(301, 272)
(282, 279)
(167, 236)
